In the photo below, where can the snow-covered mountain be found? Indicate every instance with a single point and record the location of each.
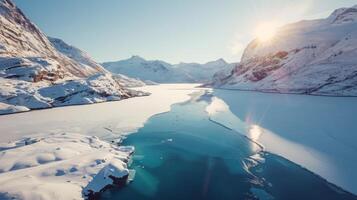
(163, 72)
(34, 73)
(27, 54)
(88, 63)
(155, 70)
(76, 54)
(310, 57)
(204, 72)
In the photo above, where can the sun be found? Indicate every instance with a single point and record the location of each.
(266, 31)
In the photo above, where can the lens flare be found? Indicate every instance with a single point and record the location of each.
(266, 31)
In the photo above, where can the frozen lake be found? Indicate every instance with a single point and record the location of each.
(207, 145)
(183, 154)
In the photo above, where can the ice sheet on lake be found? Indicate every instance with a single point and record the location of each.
(106, 119)
(317, 133)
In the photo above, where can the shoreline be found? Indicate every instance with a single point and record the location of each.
(281, 93)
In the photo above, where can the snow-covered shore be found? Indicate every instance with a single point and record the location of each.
(50, 159)
(315, 132)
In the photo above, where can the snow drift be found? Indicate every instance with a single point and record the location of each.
(60, 166)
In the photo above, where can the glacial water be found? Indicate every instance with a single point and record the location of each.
(182, 155)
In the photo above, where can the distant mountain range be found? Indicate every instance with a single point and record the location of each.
(163, 72)
(307, 57)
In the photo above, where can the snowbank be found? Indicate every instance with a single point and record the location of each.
(59, 166)
(6, 108)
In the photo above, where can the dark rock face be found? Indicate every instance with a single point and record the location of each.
(267, 65)
(117, 183)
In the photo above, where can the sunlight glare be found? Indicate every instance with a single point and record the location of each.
(266, 31)
(254, 132)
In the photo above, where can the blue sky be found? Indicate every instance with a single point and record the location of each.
(174, 31)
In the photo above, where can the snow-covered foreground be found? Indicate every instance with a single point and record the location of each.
(41, 157)
(60, 166)
(318, 133)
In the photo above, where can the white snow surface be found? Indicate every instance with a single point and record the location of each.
(104, 119)
(6, 108)
(59, 166)
(163, 72)
(311, 57)
(318, 133)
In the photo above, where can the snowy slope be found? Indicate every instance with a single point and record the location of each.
(27, 54)
(163, 72)
(311, 57)
(35, 73)
(76, 54)
(88, 63)
(129, 82)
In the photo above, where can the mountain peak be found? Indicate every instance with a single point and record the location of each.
(218, 62)
(221, 61)
(344, 15)
(7, 3)
(136, 58)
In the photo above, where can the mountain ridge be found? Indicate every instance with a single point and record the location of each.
(164, 72)
(308, 57)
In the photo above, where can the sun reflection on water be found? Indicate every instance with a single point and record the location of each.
(254, 132)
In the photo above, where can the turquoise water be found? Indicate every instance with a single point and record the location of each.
(183, 155)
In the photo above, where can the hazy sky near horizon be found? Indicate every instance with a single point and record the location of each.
(170, 30)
